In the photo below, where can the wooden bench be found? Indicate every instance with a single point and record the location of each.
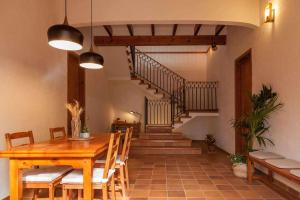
(271, 170)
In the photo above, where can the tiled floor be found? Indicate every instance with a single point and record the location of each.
(203, 177)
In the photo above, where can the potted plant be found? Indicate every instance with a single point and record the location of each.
(239, 165)
(254, 124)
(84, 132)
(210, 141)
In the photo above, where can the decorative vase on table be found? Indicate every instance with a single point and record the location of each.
(76, 127)
(75, 111)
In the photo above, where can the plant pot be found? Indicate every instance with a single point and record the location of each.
(240, 170)
(85, 135)
(211, 148)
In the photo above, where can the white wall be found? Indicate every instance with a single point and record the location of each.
(99, 110)
(276, 61)
(241, 12)
(199, 127)
(33, 75)
(127, 96)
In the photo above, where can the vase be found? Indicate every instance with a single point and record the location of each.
(240, 170)
(76, 127)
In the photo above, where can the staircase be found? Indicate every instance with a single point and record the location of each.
(178, 101)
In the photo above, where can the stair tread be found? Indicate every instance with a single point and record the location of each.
(164, 140)
(165, 147)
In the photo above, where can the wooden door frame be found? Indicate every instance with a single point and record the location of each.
(81, 99)
(238, 137)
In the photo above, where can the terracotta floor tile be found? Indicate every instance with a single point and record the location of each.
(158, 193)
(158, 186)
(224, 187)
(194, 193)
(176, 194)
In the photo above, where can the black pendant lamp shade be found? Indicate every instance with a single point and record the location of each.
(65, 37)
(90, 59)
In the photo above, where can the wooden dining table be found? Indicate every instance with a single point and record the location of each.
(78, 154)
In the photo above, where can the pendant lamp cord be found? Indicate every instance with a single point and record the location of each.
(91, 25)
(66, 14)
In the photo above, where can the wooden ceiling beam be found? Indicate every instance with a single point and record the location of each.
(197, 29)
(159, 40)
(219, 29)
(153, 29)
(174, 29)
(109, 30)
(130, 29)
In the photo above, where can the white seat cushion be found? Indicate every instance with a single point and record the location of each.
(118, 161)
(295, 173)
(46, 174)
(76, 176)
(284, 163)
(265, 155)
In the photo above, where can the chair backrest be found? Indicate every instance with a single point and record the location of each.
(112, 153)
(60, 130)
(126, 145)
(9, 137)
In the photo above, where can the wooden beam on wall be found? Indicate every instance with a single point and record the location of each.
(174, 29)
(174, 52)
(130, 29)
(109, 30)
(219, 29)
(197, 29)
(153, 29)
(159, 40)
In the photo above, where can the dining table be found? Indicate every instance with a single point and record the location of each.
(80, 154)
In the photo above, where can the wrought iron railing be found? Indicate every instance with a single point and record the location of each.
(158, 112)
(201, 96)
(181, 96)
(154, 73)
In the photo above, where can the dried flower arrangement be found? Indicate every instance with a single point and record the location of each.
(75, 111)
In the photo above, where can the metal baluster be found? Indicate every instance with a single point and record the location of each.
(216, 102)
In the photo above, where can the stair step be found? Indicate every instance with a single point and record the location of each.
(158, 129)
(185, 117)
(165, 150)
(162, 136)
(162, 142)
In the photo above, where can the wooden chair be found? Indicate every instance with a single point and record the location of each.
(102, 177)
(122, 162)
(53, 132)
(39, 178)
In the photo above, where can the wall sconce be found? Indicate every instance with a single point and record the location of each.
(269, 13)
(136, 113)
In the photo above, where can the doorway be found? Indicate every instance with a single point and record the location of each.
(76, 86)
(243, 90)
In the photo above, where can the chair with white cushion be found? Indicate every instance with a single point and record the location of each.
(102, 177)
(122, 162)
(39, 178)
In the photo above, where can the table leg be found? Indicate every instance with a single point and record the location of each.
(249, 171)
(87, 179)
(15, 180)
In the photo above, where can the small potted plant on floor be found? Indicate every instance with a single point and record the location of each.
(254, 124)
(210, 141)
(239, 165)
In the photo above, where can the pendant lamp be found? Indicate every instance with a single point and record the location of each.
(65, 37)
(90, 59)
